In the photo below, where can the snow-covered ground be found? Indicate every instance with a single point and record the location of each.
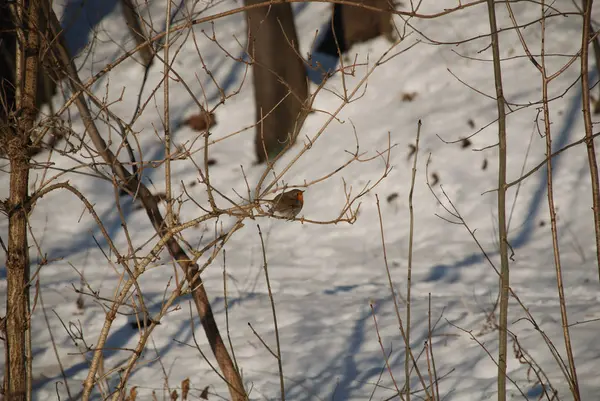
(329, 281)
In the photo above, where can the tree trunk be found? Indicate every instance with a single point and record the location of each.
(47, 76)
(137, 31)
(280, 86)
(46, 81)
(16, 141)
(361, 25)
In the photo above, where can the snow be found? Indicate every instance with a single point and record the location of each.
(329, 281)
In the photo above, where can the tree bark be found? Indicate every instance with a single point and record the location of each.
(361, 25)
(132, 17)
(16, 141)
(279, 75)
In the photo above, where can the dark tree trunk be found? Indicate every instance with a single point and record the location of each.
(17, 265)
(361, 25)
(280, 85)
(16, 140)
(134, 22)
(46, 79)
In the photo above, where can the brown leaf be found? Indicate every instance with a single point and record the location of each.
(132, 394)
(204, 394)
(201, 122)
(409, 96)
(465, 143)
(185, 388)
(392, 196)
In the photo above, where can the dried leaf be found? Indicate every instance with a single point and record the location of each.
(409, 96)
(132, 394)
(201, 122)
(185, 388)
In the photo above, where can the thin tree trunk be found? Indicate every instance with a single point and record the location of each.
(502, 232)
(16, 140)
(17, 262)
(587, 122)
(596, 46)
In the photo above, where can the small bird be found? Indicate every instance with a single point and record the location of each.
(288, 204)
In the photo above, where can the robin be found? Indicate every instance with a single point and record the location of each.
(288, 204)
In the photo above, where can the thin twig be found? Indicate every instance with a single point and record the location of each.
(410, 257)
(60, 365)
(279, 363)
(573, 382)
(169, 218)
(407, 346)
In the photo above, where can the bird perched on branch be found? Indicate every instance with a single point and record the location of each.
(287, 204)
